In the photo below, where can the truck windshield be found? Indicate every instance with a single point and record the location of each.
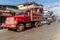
(19, 14)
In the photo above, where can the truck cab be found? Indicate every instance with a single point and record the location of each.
(22, 17)
(13, 21)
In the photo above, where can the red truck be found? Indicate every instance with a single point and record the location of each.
(23, 19)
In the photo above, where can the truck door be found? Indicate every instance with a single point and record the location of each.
(27, 16)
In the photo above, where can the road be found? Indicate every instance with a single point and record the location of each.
(45, 32)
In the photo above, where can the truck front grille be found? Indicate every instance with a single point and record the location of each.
(10, 21)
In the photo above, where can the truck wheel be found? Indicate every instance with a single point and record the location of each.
(20, 27)
(39, 24)
(36, 24)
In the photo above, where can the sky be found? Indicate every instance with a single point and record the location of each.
(52, 5)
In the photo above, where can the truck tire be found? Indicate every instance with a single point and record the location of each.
(36, 24)
(20, 27)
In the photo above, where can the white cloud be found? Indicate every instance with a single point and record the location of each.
(55, 7)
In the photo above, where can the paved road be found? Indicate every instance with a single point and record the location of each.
(46, 32)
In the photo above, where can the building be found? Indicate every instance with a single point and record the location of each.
(4, 12)
(3, 9)
(48, 12)
(29, 5)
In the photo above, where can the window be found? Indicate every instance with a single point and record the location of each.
(27, 14)
(20, 14)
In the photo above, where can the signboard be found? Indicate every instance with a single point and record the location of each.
(19, 6)
(25, 7)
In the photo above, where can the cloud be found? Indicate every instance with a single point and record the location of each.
(55, 7)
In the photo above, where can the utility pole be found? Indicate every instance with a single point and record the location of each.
(27, 3)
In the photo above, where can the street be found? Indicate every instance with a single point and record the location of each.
(45, 32)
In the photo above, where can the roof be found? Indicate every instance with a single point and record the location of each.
(29, 3)
(4, 6)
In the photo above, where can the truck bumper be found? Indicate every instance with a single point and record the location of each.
(9, 25)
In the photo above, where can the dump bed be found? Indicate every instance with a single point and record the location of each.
(35, 17)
